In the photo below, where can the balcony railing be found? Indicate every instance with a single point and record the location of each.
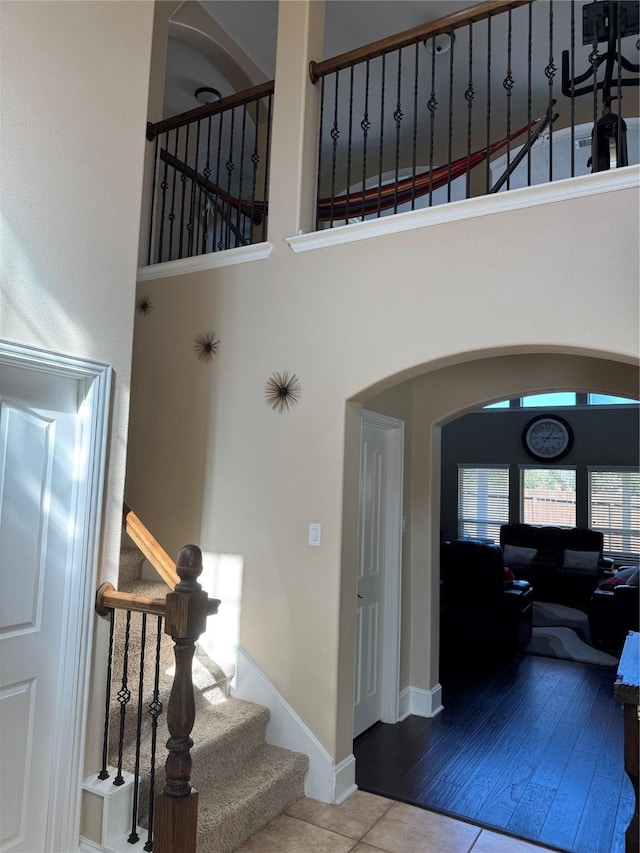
(211, 177)
(502, 95)
(415, 120)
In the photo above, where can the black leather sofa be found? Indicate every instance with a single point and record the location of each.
(562, 564)
(481, 615)
(614, 609)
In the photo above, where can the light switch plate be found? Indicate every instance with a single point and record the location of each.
(315, 533)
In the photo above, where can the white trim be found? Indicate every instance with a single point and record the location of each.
(390, 675)
(420, 702)
(569, 188)
(88, 846)
(324, 781)
(210, 261)
(94, 385)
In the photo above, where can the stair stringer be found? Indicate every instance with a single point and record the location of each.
(325, 781)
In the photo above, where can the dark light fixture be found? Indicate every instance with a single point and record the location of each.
(207, 95)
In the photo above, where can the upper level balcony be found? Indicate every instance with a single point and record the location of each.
(486, 100)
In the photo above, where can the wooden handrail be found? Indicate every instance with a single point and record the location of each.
(108, 598)
(236, 100)
(408, 37)
(154, 552)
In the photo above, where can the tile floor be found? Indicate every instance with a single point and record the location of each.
(366, 823)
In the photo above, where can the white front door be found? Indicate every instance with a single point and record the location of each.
(379, 562)
(44, 468)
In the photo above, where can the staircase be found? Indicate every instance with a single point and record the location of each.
(243, 783)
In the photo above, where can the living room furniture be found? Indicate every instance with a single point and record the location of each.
(481, 614)
(562, 564)
(614, 609)
(627, 690)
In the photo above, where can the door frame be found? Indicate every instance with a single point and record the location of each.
(391, 624)
(93, 384)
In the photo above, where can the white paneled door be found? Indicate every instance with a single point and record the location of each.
(379, 557)
(43, 474)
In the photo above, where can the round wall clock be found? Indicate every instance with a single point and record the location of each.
(547, 437)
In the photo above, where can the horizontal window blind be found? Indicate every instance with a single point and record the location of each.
(614, 509)
(483, 501)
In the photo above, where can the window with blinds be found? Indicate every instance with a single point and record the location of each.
(614, 509)
(548, 496)
(483, 501)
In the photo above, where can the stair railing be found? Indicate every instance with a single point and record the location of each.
(172, 813)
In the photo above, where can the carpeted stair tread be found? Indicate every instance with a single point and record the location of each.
(269, 782)
(131, 560)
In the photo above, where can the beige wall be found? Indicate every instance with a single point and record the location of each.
(74, 94)
(210, 462)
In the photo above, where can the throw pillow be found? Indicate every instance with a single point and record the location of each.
(629, 576)
(515, 556)
(509, 577)
(581, 559)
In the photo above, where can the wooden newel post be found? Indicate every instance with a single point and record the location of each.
(176, 808)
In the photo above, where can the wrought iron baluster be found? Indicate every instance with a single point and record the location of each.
(255, 160)
(335, 135)
(155, 709)
(104, 773)
(469, 95)
(241, 228)
(414, 150)
(164, 185)
(266, 169)
(133, 835)
(172, 210)
(215, 243)
(432, 105)
(550, 72)
(508, 84)
(184, 179)
(349, 144)
(365, 124)
(488, 140)
(381, 144)
(529, 89)
(594, 59)
(320, 137)
(124, 696)
(154, 198)
(192, 203)
(230, 167)
(450, 146)
(397, 117)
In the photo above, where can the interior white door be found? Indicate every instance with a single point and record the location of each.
(37, 494)
(371, 567)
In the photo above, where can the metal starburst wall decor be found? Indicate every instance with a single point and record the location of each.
(206, 346)
(282, 391)
(144, 305)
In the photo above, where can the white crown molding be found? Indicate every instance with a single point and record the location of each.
(210, 261)
(627, 177)
(421, 703)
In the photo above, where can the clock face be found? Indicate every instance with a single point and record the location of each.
(547, 437)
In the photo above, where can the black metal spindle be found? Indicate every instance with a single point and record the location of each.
(241, 227)
(365, 124)
(349, 143)
(550, 72)
(230, 167)
(164, 186)
(488, 140)
(124, 696)
(414, 147)
(508, 84)
(255, 160)
(335, 135)
(381, 142)
(469, 95)
(192, 201)
(183, 179)
(432, 105)
(450, 145)
(155, 709)
(397, 117)
(594, 60)
(133, 835)
(529, 88)
(172, 209)
(104, 773)
(154, 191)
(216, 199)
(619, 133)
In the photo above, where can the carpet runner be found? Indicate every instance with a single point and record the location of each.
(563, 632)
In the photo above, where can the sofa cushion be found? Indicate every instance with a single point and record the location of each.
(586, 560)
(517, 556)
(629, 577)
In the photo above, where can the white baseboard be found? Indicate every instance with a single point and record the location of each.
(422, 703)
(325, 781)
(88, 846)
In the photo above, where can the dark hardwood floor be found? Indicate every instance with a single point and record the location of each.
(534, 749)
